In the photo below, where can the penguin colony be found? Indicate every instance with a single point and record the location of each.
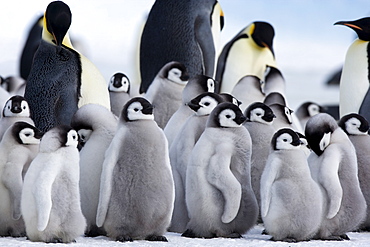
(200, 156)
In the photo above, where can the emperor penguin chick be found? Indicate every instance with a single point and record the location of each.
(101, 125)
(50, 203)
(136, 188)
(119, 92)
(219, 195)
(195, 86)
(333, 166)
(180, 151)
(15, 109)
(165, 91)
(18, 148)
(357, 127)
(307, 110)
(291, 201)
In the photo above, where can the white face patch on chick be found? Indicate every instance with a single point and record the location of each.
(353, 127)
(27, 136)
(134, 112)
(226, 118)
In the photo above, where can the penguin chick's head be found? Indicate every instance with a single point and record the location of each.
(58, 137)
(259, 112)
(58, 18)
(119, 82)
(175, 72)
(360, 26)
(318, 131)
(204, 103)
(226, 115)
(285, 139)
(354, 124)
(25, 133)
(16, 106)
(137, 108)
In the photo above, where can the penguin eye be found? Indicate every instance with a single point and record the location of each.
(285, 140)
(27, 134)
(258, 114)
(228, 116)
(136, 109)
(207, 104)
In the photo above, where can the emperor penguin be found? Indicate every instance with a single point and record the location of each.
(195, 86)
(357, 127)
(180, 151)
(61, 79)
(50, 203)
(18, 148)
(119, 92)
(248, 53)
(165, 91)
(333, 166)
(136, 187)
(291, 201)
(219, 195)
(248, 90)
(259, 125)
(183, 31)
(15, 109)
(306, 110)
(354, 96)
(100, 124)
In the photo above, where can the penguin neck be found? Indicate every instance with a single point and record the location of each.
(48, 38)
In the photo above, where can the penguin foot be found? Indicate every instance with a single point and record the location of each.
(124, 239)
(55, 240)
(189, 234)
(234, 235)
(332, 238)
(156, 238)
(264, 232)
(344, 237)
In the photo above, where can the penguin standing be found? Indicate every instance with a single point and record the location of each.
(136, 188)
(61, 79)
(17, 149)
(165, 91)
(333, 166)
(357, 127)
(180, 151)
(195, 86)
(16, 109)
(50, 203)
(119, 92)
(101, 125)
(248, 53)
(183, 31)
(354, 96)
(291, 201)
(219, 195)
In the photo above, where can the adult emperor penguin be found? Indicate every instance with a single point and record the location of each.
(15, 109)
(101, 125)
(136, 188)
(180, 151)
(291, 201)
(184, 31)
(61, 79)
(357, 127)
(259, 124)
(165, 91)
(17, 149)
(51, 206)
(248, 90)
(333, 166)
(248, 53)
(307, 110)
(195, 86)
(219, 195)
(354, 82)
(119, 92)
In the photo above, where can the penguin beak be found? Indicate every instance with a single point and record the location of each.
(194, 106)
(348, 24)
(269, 117)
(16, 109)
(117, 83)
(297, 142)
(148, 110)
(240, 120)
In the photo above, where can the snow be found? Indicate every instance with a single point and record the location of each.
(252, 238)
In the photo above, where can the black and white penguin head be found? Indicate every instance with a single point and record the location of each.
(285, 139)
(226, 115)
(259, 112)
(58, 19)
(175, 72)
(119, 82)
(318, 131)
(230, 98)
(137, 108)
(360, 26)
(309, 109)
(58, 137)
(16, 106)
(262, 34)
(354, 124)
(25, 133)
(204, 103)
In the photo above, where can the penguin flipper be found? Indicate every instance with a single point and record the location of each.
(330, 181)
(220, 176)
(365, 106)
(267, 179)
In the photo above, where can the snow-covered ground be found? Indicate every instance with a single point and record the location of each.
(252, 238)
